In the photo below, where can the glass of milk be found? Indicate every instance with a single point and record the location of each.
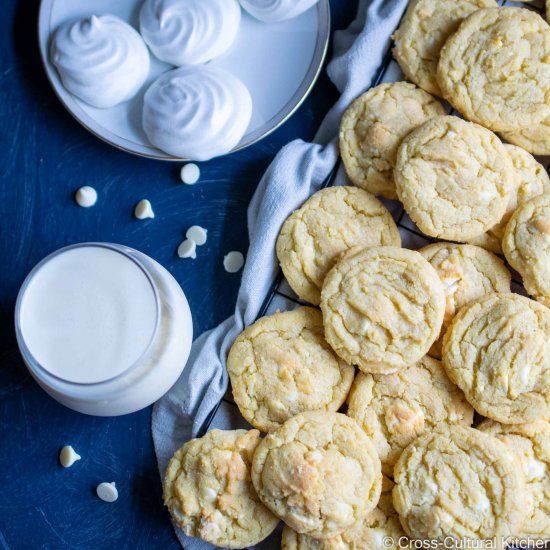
(103, 328)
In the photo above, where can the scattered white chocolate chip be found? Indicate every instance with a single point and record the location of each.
(86, 196)
(198, 234)
(107, 491)
(68, 456)
(233, 262)
(144, 210)
(187, 249)
(190, 174)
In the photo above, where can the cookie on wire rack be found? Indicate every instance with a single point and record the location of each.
(497, 351)
(319, 473)
(372, 129)
(281, 365)
(454, 178)
(209, 494)
(328, 224)
(425, 28)
(477, 64)
(459, 482)
(382, 308)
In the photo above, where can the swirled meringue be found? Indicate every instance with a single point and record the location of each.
(273, 11)
(197, 112)
(102, 60)
(189, 32)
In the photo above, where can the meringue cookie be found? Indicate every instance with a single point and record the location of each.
(273, 11)
(101, 60)
(197, 112)
(189, 32)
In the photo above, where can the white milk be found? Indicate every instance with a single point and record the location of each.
(103, 328)
(88, 314)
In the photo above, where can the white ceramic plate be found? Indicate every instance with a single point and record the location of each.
(278, 62)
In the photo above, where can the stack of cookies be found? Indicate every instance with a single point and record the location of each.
(415, 347)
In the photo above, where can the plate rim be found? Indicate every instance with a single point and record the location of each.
(149, 151)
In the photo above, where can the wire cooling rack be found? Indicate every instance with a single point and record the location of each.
(282, 298)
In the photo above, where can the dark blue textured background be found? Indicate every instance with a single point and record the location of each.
(45, 156)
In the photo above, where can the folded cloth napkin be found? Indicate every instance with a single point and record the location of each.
(297, 171)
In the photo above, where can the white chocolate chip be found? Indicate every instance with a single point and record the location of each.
(144, 210)
(211, 525)
(366, 326)
(451, 284)
(233, 262)
(482, 502)
(451, 134)
(210, 495)
(187, 249)
(316, 456)
(524, 374)
(291, 397)
(190, 174)
(342, 511)
(454, 417)
(302, 519)
(68, 456)
(86, 196)
(535, 469)
(107, 491)
(378, 536)
(432, 486)
(487, 196)
(198, 234)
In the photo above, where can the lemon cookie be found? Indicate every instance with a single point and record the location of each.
(535, 139)
(373, 127)
(209, 494)
(496, 68)
(497, 351)
(531, 179)
(460, 483)
(319, 473)
(531, 444)
(330, 222)
(467, 272)
(372, 533)
(526, 246)
(426, 26)
(382, 308)
(454, 178)
(394, 409)
(281, 366)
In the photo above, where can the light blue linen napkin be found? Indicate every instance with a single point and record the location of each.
(297, 171)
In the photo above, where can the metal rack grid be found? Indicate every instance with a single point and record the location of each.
(226, 415)
(281, 297)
